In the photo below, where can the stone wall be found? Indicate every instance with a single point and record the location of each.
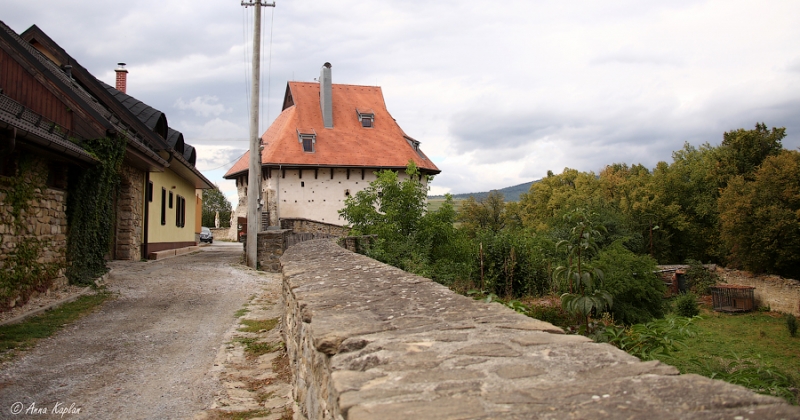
(312, 226)
(228, 234)
(41, 226)
(130, 214)
(369, 341)
(781, 295)
(270, 247)
(357, 243)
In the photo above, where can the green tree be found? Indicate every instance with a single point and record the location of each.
(550, 199)
(742, 151)
(488, 213)
(424, 243)
(389, 207)
(214, 201)
(760, 219)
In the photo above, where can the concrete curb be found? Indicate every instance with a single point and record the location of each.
(169, 253)
(100, 281)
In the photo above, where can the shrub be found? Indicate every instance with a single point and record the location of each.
(700, 278)
(552, 314)
(637, 291)
(791, 324)
(511, 263)
(652, 339)
(686, 305)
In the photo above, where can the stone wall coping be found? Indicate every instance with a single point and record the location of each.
(302, 219)
(370, 341)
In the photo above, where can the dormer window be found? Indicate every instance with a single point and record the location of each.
(308, 138)
(413, 143)
(366, 116)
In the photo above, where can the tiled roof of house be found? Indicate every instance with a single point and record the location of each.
(347, 144)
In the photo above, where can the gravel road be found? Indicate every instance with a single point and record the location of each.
(147, 354)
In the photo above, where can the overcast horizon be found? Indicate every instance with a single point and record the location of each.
(498, 93)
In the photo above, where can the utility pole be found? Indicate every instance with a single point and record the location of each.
(254, 172)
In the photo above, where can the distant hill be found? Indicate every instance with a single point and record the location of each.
(509, 193)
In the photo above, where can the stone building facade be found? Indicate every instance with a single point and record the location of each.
(33, 229)
(130, 214)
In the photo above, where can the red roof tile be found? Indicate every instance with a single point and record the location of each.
(347, 144)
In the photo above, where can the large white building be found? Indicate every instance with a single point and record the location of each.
(326, 144)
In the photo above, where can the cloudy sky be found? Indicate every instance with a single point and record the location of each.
(498, 92)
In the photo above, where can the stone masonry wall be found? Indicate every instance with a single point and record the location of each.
(369, 341)
(780, 294)
(44, 220)
(130, 214)
(271, 245)
(312, 226)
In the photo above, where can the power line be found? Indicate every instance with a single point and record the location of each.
(225, 164)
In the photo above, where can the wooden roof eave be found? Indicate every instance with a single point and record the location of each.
(180, 166)
(92, 85)
(235, 175)
(55, 85)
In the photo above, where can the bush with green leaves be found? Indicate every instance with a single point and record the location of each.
(408, 236)
(686, 305)
(752, 373)
(586, 294)
(700, 278)
(652, 339)
(631, 280)
(791, 324)
(511, 263)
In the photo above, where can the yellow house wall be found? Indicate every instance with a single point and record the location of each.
(169, 232)
(198, 213)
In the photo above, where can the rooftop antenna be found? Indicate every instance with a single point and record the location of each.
(254, 172)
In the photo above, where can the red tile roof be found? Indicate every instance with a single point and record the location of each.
(347, 144)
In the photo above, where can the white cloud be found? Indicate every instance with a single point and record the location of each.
(204, 106)
(498, 94)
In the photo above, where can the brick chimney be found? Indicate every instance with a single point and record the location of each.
(325, 95)
(122, 78)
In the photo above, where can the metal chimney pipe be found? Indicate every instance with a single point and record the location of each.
(326, 95)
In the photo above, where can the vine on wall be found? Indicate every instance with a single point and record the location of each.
(90, 210)
(21, 273)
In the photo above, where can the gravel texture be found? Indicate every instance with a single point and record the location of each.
(147, 354)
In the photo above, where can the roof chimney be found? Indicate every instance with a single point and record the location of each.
(325, 95)
(122, 77)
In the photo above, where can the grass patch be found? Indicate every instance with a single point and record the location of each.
(241, 312)
(255, 348)
(752, 349)
(436, 203)
(25, 334)
(256, 325)
(239, 415)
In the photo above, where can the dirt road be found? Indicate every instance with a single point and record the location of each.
(147, 354)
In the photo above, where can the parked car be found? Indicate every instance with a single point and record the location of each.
(206, 235)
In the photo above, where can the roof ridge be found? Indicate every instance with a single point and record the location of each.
(337, 84)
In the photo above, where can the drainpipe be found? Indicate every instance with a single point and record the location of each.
(146, 214)
(278, 206)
